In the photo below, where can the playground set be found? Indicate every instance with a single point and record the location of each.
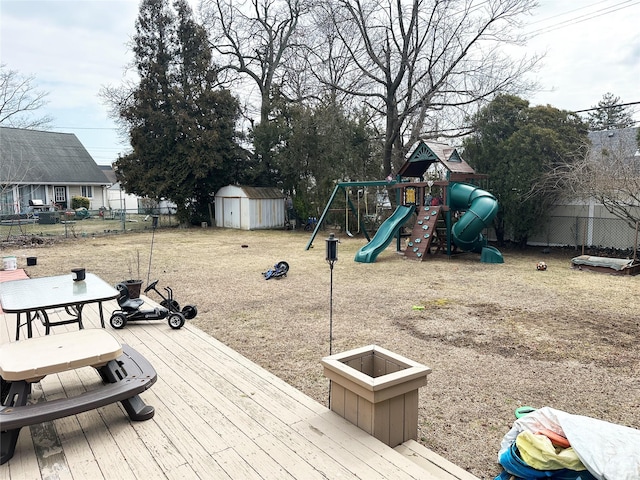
(453, 222)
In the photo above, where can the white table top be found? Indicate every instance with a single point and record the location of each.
(51, 292)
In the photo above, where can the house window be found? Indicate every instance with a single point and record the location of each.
(60, 194)
(87, 191)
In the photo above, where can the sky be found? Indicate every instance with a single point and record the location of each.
(74, 48)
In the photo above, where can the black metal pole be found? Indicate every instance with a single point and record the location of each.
(331, 310)
(332, 257)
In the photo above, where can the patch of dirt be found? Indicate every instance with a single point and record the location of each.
(497, 336)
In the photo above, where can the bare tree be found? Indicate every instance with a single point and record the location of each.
(410, 58)
(14, 170)
(255, 40)
(19, 99)
(609, 173)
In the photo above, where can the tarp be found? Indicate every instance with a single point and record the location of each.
(613, 263)
(609, 451)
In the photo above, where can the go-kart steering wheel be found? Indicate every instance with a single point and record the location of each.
(151, 286)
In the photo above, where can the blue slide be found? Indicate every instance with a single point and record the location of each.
(384, 235)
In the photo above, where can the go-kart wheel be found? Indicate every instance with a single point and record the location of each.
(189, 311)
(282, 266)
(118, 320)
(172, 306)
(176, 320)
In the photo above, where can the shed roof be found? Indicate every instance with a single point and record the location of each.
(249, 192)
(47, 158)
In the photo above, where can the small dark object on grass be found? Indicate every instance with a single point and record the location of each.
(279, 270)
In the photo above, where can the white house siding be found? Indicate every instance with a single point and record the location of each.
(120, 200)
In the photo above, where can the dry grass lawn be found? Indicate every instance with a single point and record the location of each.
(497, 336)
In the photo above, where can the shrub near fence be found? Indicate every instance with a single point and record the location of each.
(596, 233)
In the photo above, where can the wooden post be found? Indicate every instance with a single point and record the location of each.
(635, 250)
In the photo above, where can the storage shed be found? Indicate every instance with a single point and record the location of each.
(249, 208)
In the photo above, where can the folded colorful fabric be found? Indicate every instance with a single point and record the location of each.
(538, 452)
(514, 465)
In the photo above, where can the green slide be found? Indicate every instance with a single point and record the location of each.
(384, 235)
(480, 208)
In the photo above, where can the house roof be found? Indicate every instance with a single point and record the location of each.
(109, 172)
(621, 141)
(47, 158)
(422, 154)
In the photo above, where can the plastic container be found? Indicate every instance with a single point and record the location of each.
(9, 263)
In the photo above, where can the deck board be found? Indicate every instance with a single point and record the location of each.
(218, 415)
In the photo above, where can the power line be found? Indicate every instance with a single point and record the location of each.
(582, 18)
(604, 108)
(568, 12)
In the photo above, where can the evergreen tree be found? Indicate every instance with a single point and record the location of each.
(516, 145)
(181, 128)
(610, 114)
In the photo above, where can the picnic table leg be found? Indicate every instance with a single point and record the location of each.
(16, 395)
(134, 406)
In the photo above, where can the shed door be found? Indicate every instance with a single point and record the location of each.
(231, 213)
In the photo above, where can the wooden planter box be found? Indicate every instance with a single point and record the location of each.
(377, 390)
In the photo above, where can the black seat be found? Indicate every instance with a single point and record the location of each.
(126, 303)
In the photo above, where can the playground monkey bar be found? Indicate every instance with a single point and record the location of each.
(343, 186)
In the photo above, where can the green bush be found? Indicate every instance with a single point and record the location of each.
(78, 202)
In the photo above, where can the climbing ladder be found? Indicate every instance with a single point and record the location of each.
(424, 233)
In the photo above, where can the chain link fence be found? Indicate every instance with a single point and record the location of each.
(71, 224)
(610, 235)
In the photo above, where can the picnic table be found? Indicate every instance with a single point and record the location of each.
(124, 373)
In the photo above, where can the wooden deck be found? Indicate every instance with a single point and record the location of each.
(218, 415)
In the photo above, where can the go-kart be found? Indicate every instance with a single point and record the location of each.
(169, 308)
(279, 270)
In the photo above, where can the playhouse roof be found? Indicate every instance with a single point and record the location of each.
(423, 154)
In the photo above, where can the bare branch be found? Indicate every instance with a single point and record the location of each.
(19, 98)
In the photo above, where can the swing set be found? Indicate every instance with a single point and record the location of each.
(369, 218)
